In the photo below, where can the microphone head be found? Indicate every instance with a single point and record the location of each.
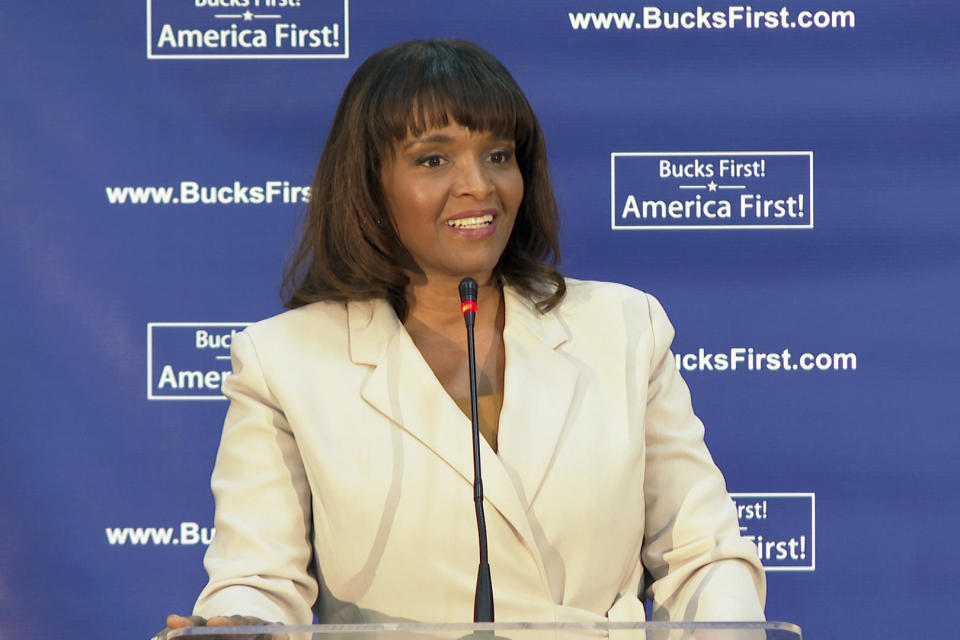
(468, 298)
(468, 290)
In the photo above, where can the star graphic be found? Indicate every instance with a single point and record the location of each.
(712, 186)
(248, 15)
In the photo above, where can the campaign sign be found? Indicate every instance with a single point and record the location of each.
(712, 190)
(210, 29)
(782, 526)
(188, 360)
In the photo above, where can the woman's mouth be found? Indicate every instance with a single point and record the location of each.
(471, 222)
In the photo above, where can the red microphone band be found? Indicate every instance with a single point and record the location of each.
(467, 306)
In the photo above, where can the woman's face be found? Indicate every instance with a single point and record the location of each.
(453, 195)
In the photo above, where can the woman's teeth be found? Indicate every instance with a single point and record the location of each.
(471, 223)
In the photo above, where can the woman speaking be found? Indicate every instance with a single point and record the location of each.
(344, 477)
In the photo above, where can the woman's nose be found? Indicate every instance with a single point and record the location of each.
(472, 179)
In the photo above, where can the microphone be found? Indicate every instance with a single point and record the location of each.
(483, 598)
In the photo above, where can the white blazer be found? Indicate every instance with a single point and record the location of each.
(344, 475)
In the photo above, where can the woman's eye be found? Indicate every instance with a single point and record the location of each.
(430, 161)
(501, 157)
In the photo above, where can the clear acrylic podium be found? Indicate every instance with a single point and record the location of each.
(503, 631)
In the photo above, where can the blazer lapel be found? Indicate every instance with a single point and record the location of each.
(403, 388)
(539, 386)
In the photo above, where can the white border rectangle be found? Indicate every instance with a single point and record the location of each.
(150, 326)
(251, 56)
(813, 525)
(613, 198)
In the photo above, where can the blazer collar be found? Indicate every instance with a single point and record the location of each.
(539, 384)
(372, 324)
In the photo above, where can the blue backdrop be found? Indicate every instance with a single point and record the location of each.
(782, 177)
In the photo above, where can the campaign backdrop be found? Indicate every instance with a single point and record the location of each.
(783, 176)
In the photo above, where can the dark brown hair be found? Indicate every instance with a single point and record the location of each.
(348, 248)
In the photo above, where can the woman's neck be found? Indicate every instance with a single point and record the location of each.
(435, 324)
(436, 304)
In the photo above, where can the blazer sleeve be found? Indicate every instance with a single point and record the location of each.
(701, 568)
(260, 557)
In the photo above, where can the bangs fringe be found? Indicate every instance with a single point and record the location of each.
(434, 84)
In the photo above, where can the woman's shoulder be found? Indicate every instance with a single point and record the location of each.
(329, 325)
(584, 295)
(324, 311)
(314, 321)
(612, 308)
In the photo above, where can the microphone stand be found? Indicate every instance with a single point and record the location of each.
(483, 598)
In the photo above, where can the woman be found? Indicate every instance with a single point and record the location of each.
(344, 477)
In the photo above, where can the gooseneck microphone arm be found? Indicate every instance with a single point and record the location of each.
(483, 598)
